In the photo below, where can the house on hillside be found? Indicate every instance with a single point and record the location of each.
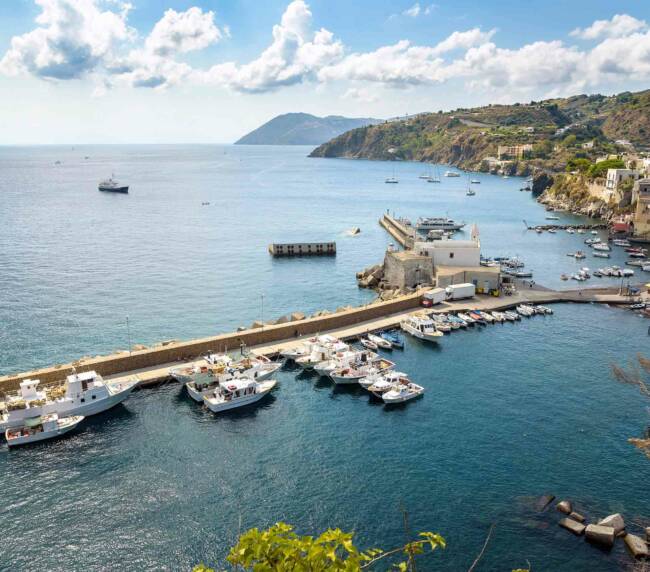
(642, 214)
(514, 151)
(614, 184)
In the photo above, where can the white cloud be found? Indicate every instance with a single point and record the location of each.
(464, 40)
(413, 11)
(361, 94)
(620, 25)
(72, 39)
(181, 32)
(295, 55)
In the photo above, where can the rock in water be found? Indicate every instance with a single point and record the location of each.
(577, 516)
(647, 534)
(601, 535)
(564, 506)
(576, 527)
(544, 501)
(354, 231)
(636, 545)
(297, 316)
(614, 521)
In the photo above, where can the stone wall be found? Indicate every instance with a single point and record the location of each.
(406, 269)
(121, 363)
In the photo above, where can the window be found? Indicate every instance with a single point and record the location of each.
(451, 255)
(94, 396)
(83, 400)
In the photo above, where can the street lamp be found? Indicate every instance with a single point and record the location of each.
(262, 318)
(128, 333)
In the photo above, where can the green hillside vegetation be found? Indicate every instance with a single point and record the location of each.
(557, 130)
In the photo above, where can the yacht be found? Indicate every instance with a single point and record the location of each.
(475, 182)
(601, 246)
(470, 193)
(437, 223)
(421, 327)
(451, 174)
(82, 394)
(601, 254)
(41, 428)
(402, 392)
(238, 393)
(111, 185)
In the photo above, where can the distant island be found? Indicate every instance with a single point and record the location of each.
(303, 129)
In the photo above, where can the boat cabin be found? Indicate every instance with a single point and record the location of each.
(87, 384)
(237, 388)
(28, 389)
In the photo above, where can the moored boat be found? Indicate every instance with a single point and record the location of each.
(420, 327)
(402, 392)
(82, 394)
(41, 428)
(238, 393)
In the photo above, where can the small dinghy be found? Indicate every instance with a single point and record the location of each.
(380, 342)
(41, 428)
(394, 338)
(366, 343)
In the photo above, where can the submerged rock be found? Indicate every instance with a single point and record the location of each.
(614, 521)
(564, 506)
(576, 527)
(636, 545)
(601, 535)
(297, 316)
(544, 501)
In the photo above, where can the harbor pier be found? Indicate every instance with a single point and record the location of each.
(403, 234)
(152, 365)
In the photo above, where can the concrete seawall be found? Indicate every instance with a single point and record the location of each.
(401, 233)
(183, 351)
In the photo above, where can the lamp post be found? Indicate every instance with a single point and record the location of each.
(262, 317)
(128, 333)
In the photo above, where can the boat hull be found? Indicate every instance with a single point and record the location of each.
(44, 435)
(65, 408)
(220, 406)
(122, 190)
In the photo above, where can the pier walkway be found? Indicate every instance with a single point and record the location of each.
(404, 235)
(346, 325)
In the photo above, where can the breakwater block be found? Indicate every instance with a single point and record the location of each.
(544, 501)
(564, 507)
(636, 545)
(614, 521)
(573, 526)
(600, 535)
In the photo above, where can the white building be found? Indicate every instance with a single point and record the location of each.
(449, 252)
(617, 176)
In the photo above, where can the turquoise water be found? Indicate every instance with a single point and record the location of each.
(511, 411)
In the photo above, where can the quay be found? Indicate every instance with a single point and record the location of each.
(601, 226)
(404, 235)
(151, 366)
(303, 249)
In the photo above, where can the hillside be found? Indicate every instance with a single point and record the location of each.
(558, 130)
(302, 129)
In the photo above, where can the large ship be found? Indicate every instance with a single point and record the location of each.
(112, 186)
(425, 224)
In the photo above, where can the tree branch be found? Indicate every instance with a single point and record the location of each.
(480, 554)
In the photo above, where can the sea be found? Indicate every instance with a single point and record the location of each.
(510, 412)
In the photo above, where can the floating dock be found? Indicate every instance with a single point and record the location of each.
(303, 249)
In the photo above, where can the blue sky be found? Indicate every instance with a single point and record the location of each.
(210, 70)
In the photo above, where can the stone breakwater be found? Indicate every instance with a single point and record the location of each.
(602, 532)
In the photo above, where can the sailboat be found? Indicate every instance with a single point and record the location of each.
(392, 180)
(470, 192)
(434, 179)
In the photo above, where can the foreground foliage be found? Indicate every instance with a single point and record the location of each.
(280, 549)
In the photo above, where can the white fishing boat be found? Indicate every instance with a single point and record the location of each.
(344, 359)
(451, 174)
(475, 182)
(621, 242)
(601, 246)
(421, 327)
(391, 180)
(41, 428)
(498, 316)
(238, 393)
(512, 316)
(82, 394)
(320, 353)
(380, 342)
(368, 344)
(570, 230)
(552, 217)
(384, 382)
(601, 254)
(402, 392)
(351, 374)
(305, 347)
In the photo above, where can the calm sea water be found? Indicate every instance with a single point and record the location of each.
(511, 412)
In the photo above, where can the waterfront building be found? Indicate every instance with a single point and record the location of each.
(642, 214)
(514, 151)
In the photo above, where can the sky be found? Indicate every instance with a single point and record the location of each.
(209, 71)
